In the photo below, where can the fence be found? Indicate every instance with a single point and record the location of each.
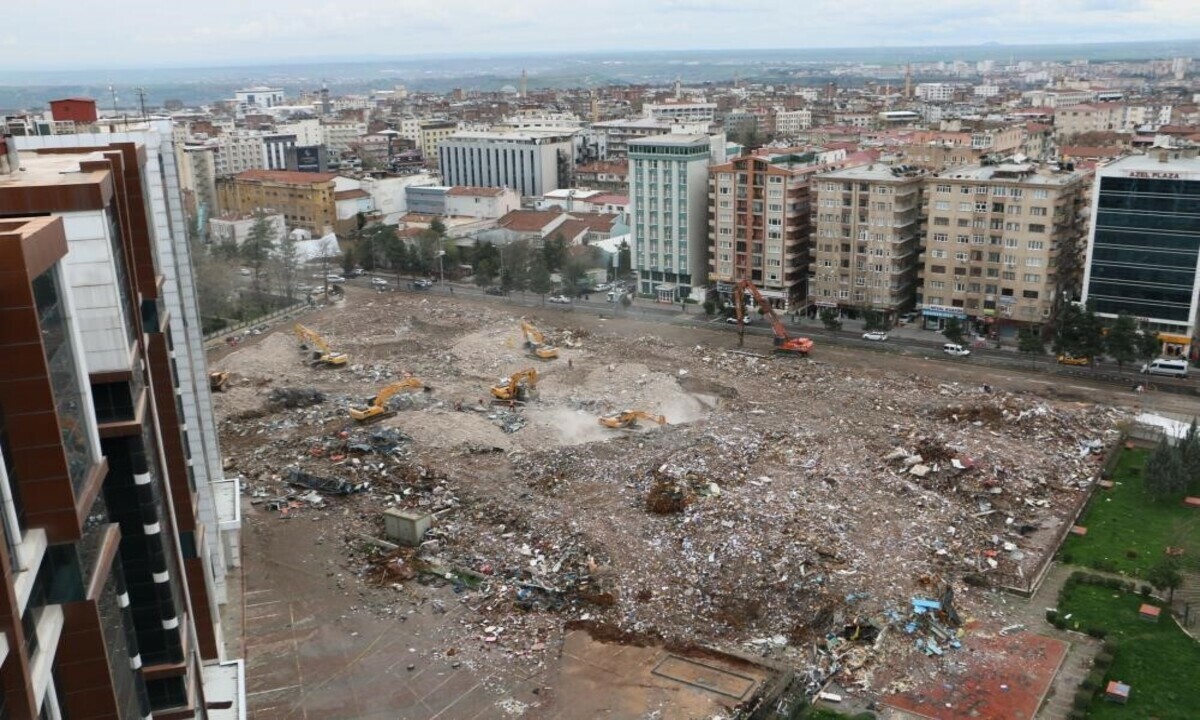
(233, 329)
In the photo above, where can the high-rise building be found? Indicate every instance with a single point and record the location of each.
(1143, 252)
(119, 525)
(759, 226)
(668, 199)
(1001, 244)
(866, 250)
(532, 162)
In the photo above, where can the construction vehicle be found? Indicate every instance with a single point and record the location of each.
(321, 354)
(784, 343)
(628, 419)
(217, 380)
(377, 407)
(518, 387)
(536, 343)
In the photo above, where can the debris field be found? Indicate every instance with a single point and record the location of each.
(787, 506)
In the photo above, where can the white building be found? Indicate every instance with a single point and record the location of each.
(668, 182)
(481, 203)
(306, 130)
(338, 136)
(239, 151)
(275, 150)
(789, 123)
(681, 112)
(237, 229)
(532, 162)
(258, 97)
(935, 92)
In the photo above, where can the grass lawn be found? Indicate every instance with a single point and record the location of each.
(1156, 660)
(1126, 521)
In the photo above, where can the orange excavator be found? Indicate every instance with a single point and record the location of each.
(377, 407)
(784, 343)
(516, 388)
(629, 418)
(536, 343)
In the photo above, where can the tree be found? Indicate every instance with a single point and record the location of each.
(953, 330)
(874, 320)
(1079, 333)
(1147, 346)
(485, 272)
(554, 252)
(398, 256)
(1121, 342)
(373, 243)
(624, 260)
(1164, 474)
(829, 317)
(539, 279)
(1189, 455)
(287, 264)
(1030, 342)
(214, 275)
(257, 249)
(1165, 575)
(438, 228)
(573, 274)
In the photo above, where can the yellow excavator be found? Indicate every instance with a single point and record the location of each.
(217, 380)
(517, 388)
(377, 407)
(535, 341)
(629, 419)
(321, 354)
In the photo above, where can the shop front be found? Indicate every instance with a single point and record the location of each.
(934, 317)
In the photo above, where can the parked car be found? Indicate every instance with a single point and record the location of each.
(493, 291)
(423, 284)
(246, 272)
(746, 320)
(379, 282)
(1067, 359)
(331, 278)
(955, 350)
(357, 272)
(877, 335)
(560, 299)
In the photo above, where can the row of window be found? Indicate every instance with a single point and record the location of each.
(993, 190)
(991, 240)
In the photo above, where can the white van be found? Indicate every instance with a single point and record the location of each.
(1162, 366)
(955, 350)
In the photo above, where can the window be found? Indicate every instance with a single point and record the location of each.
(961, 239)
(964, 222)
(943, 188)
(964, 207)
(1033, 262)
(1040, 194)
(1011, 243)
(1006, 275)
(937, 269)
(941, 221)
(941, 205)
(981, 206)
(940, 237)
(1037, 211)
(937, 284)
(1035, 245)
(961, 256)
(1029, 294)
(938, 254)
(1031, 278)
(1037, 228)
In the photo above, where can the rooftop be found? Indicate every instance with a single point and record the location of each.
(515, 136)
(1151, 163)
(874, 172)
(674, 139)
(1023, 173)
(468, 191)
(286, 176)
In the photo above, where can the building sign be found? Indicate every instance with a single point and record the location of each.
(944, 311)
(1154, 175)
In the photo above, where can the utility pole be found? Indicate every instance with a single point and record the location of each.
(141, 93)
(112, 89)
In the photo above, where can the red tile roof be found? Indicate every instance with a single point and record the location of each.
(606, 199)
(286, 176)
(468, 191)
(350, 194)
(528, 220)
(1091, 152)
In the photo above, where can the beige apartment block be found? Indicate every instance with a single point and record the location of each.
(867, 243)
(1001, 244)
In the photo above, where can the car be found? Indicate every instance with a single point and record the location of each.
(303, 287)
(560, 299)
(357, 272)
(423, 284)
(246, 272)
(1067, 359)
(603, 287)
(493, 291)
(955, 350)
(379, 282)
(877, 335)
(746, 320)
(331, 278)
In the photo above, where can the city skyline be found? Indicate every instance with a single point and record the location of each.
(274, 30)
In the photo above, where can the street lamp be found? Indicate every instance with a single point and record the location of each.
(442, 266)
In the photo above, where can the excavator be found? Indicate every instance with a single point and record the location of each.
(377, 407)
(321, 354)
(217, 380)
(517, 388)
(535, 341)
(628, 419)
(784, 343)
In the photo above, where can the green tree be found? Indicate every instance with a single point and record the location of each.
(257, 249)
(539, 279)
(1148, 345)
(874, 320)
(1188, 448)
(438, 227)
(829, 317)
(554, 252)
(226, 248)
(398, 255)
(1165, 575)
(1121, 341)
(1164, 474)
(287, 265)
(953, 330)
(624, 260)
(485, 272)
(1078, 333)
(574, 272)
(214, 276)
(373, 243)
(1030, 342)
(425, 254)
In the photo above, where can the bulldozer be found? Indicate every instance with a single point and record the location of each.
(629, 419)
(321, 354)
(518, 387)
(217, 380)
(536, 343)
(377, 407)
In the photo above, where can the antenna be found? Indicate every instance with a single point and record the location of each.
(112, 89)
(141, 93)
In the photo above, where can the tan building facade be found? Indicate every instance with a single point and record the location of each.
(866, 249)
(306, 200)
(1001, 243)
(759, 229)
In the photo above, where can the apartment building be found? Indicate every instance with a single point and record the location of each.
(1143, 251)
(305, 199)
(276, 147)
(611, 175)
(339, 136)
(533, 162)
(1097, 117)
(669, 209)
(867, 245)
(759, 223)
(239, 151)
(432, 134)
(789, 123)
(681, 112)
(1001, 244)
(118, 524)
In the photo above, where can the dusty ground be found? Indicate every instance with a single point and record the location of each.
(784, 499)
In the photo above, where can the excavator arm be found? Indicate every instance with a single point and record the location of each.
(536, 342)
(378, 407)
(322, 354)
(629, 418)
(517, 387)
(783, 342)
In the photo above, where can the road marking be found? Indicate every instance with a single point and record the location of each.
(273, 690)
(268, 602)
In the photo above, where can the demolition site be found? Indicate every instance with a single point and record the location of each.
(461, 508)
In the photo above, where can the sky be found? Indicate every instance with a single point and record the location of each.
(87, 34)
